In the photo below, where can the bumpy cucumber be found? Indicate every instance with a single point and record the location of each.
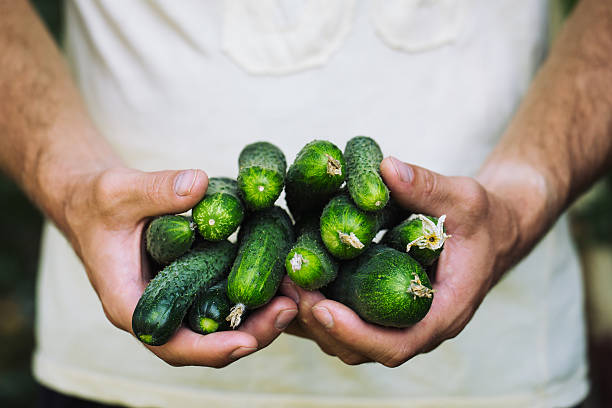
(168, 237)
(221, 211)
(261, 175)
(347, 230)
(384, 286)
(421, 236)
(265, 239)
(367, 189)
(316, 174)
(308, 263)
(209, 309)
(167, 297)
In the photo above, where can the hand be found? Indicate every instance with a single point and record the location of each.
(484, 244)
(104, 218)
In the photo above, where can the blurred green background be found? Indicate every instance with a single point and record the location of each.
(20, 223)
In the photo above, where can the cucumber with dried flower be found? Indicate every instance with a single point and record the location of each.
(384, 286)
(422, 236)
(316, 174)
(308, 263)
(221, 211)
(168, 237)
(347, 230)
(264, 241)
(261, 175)
(365, 185)
(167, 297)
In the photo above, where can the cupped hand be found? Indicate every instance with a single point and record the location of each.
(485, 236)
(104, 218)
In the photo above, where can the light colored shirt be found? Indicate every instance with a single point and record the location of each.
(187, 84)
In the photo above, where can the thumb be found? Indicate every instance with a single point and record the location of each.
(165, 192)
(419, 189)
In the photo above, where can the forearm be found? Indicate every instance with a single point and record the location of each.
(47, 137)
(560, 140)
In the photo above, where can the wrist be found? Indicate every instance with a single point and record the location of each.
(533, 199)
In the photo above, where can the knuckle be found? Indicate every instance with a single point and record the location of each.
(429, 184)
(154, 186)
(352, 359)
(107, 192)
(475, 199)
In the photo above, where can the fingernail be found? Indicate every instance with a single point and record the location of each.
(241, 352)
(284, 318)
(183, 183)
(290, 291)
(403, 170)
(323, 316)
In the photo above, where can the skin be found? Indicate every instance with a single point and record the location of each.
(557, 145)
(50, 147)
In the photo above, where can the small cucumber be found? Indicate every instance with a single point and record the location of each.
(209, 309)
(261, 175)
(316, 174)
(347, 230)
(168, 237)
(421, 236)
(367, 189)
(384, 286)
(265, 239)
(220, 212)
(308, 263)
(167, 297)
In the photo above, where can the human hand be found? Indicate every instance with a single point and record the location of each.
(104, 216)
(485, 243)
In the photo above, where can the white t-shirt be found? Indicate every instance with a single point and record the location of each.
(188, 84)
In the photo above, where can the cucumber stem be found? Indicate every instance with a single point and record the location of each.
(235, 316)
(350, 239)
(334, 168)
(418, 289)
(296, 262)
(211, 222)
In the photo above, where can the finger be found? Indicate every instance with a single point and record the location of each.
(389, 346)
(268, 322)
(427, 192)
(213, 350)
(319, 334)
(140, 194)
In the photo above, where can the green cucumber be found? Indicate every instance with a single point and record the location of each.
(347, 230)
(421, 236)
(167, 297)
(265, 238)
(316, 174)
(168, 237)
(261, 175)
(308, 263)
(367, 189)
(209, 309)
(384, 286)
(220, 212)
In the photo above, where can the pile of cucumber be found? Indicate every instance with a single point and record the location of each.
(339, 203)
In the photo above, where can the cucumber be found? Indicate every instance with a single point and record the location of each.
(261, 175)
(384, 286)
(316, 174)
(308, 263)
(167, 297)
(220, 212)
(209, 309)
(168, 237)
(347, 230)
(265, 238)
(421, 236)
(367, 189)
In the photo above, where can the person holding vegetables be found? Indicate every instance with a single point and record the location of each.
(438, 84)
